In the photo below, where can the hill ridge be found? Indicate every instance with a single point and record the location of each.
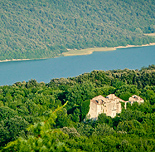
(43, 29)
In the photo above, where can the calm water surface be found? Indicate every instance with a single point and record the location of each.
(45, 70)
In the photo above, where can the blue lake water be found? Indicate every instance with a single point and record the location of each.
(45, 70)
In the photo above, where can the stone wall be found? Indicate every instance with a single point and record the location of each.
(109, 105)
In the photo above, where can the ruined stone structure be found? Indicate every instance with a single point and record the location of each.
(110, 106)
(136, 98)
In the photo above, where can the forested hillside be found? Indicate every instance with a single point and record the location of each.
(50, 117)
(46, 28)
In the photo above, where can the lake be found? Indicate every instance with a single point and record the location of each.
(70, 66)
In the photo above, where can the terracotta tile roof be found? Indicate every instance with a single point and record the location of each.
(102, 100)
(99, 97)
(135, 97)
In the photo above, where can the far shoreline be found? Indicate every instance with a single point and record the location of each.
(14, 60)
(87, 51)
(8, 60)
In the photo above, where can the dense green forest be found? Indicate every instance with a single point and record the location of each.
(46, 28)
(51, 117)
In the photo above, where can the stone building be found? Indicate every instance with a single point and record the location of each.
(136, 98)
(110, 106)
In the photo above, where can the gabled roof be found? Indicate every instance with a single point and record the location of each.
(135, 97)
(100, 97)
(99, 100)
(112, 97)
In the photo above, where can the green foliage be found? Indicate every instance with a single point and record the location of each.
(131, 127)
(131, 114)
(103, 130)
(85, 129)
(32, 117)
(102, 118)
(84, 109)
(32, 29)
(6, 113)
(125, 96)
(72, 132)
(62, 119)
(106, 90)
(12, 128)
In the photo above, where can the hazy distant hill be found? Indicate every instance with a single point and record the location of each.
(46, 28)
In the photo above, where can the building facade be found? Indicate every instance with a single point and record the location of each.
(136, 98)
(110, 106)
